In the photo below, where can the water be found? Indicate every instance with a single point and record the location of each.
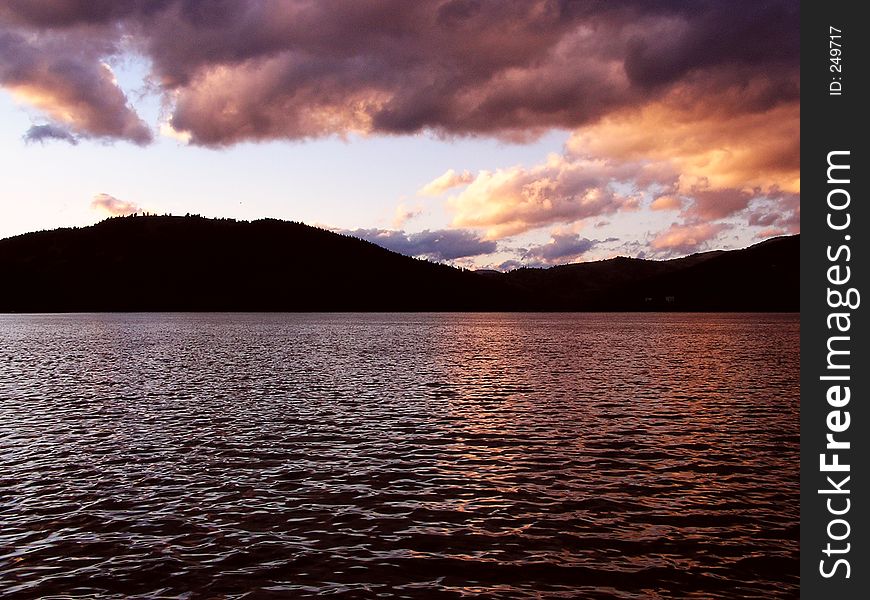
(399, 456)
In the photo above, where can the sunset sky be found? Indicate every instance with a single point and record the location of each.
(482, 133)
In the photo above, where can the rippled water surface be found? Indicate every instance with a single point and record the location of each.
(399, 456)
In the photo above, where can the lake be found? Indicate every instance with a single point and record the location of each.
(399, 455)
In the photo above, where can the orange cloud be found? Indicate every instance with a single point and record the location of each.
(770, 232)
(686, 238)
(510, 201)
(709, 148)
(666, 203)
(450, 179)
(713, 141)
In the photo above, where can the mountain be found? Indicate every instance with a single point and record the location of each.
(763, 277)
(154, 263)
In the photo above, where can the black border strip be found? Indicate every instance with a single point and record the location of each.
(834, 107)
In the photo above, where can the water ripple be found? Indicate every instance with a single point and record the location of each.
(399, 456)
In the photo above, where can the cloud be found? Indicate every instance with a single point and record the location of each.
(685, 239)
(66, 13)
(234, 71)
(511, 201)
(65, 77)
(167, 131)
(666, 203)
(668, 106)
(113, 206)
(762, 218)
(565, 246)
(708, 204)
(405, 213)
(706, 155)
(510, 265)
(770, 232)
(562, 247)
(43, 133)
(448, 180)
(780, 212)
(444, 244)
(730, 139)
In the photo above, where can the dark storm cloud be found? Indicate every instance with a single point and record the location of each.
(260, 70)
(444, 244)
(69, 13)
(714, 33)
(43, 133)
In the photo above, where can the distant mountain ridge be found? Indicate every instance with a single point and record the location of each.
(763, 277)
(164, 263)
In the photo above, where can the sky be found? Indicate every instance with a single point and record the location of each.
(482, 133)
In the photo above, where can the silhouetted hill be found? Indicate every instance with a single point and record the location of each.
(192, 263)
(763, 277)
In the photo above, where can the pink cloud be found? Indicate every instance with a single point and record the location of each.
(770, 232)
(113, 206)
(66, 78)
(405, 213)
(449, 180)
(685, 239)
(663, 100)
